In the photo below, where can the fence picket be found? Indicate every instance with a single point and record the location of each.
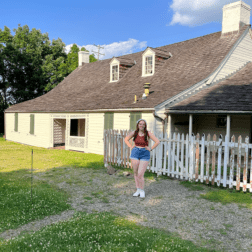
(202, 162)
(232, 157)
(182, 157)
(219, 161)
(213, 159)
(128, 153)
(169, 156)
(113, 146)
(191, 156)
(125, 150)
(173, 154)
(177, 156)
(245, 169)
(153, 161)
(187, 156)
(197, 157)
(121, 142)
(238, 170)
(208, 158)
(165, 153)
(226, 155)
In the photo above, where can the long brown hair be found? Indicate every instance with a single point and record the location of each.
(146, 135)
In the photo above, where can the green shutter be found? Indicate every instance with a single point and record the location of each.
(108, 121)
(16, 122)
(134, 117)
(32, 124)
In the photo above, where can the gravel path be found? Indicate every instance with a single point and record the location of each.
(168, 206)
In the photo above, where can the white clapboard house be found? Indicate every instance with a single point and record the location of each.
(200, 85)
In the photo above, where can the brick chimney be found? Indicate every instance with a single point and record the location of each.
(83, 57)
(235, 15)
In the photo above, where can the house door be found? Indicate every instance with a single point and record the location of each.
(59, 132)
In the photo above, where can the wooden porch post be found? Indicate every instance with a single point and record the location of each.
(228, 127)
(190, 124)
(169, 126)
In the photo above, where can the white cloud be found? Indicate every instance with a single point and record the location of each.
(115, 49)
(197, 12)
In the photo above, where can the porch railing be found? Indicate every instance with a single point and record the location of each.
(201, 159)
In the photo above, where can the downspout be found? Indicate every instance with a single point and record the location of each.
(162, 120)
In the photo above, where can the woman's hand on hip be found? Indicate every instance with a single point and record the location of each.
(147, 148)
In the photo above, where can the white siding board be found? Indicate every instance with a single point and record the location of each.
(95, 133)
(149, 118)
(158, 124)
(240, 56)
(41, 129)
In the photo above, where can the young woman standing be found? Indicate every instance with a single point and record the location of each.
(140, 153)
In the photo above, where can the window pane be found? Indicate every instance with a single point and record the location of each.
(114, 73)
(148, 65)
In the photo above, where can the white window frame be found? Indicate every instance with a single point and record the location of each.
(148, 68)
(148, 53)
(113, 63)
(111, 73)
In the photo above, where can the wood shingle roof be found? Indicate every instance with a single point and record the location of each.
(232, 95)
(89, 87)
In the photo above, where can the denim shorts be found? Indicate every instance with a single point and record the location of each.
(140, 154)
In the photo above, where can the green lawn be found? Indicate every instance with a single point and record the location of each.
(99, 232)
(15, 156)
(84, 232)
(16, 205)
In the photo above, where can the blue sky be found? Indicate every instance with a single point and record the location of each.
(121, 27)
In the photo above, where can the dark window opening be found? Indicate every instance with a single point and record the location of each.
(221, 121)
(77, 127)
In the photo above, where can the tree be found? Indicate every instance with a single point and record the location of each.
(31, 65)
(72, 62)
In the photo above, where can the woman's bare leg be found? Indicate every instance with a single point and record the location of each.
(141, 170)
(135, 165)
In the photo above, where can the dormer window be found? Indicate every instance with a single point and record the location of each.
(148, 62)
(148, 65)
(119, 67)
(153, 59)
(115, 73)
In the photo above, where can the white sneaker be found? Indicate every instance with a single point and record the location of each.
(137, 193)
(142, 194)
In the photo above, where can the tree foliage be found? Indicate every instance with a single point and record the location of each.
(31, 65)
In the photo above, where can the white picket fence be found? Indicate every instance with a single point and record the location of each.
(195, 158)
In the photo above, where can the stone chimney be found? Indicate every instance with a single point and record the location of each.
(83, 57)
(235, 15)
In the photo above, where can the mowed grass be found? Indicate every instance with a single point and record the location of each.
(84, 232)
(15, 156)
(18, 204)
(99, 232)
(226, 196)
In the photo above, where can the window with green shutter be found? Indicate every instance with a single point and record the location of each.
(134, 117)
(108, 121)
(16, 122)
(31, 124)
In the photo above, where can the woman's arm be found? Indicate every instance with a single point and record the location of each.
(157, 142)
(127, 138)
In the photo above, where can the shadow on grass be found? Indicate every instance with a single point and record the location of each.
(20, 205)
